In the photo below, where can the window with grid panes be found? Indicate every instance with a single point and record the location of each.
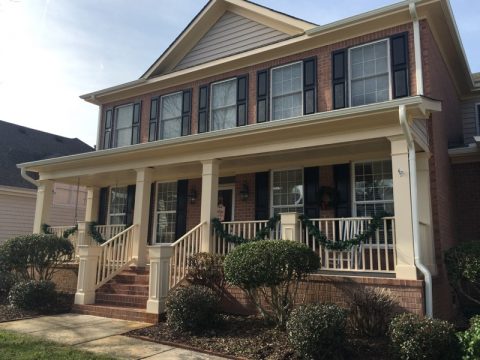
(117, 210)
(170, 116)
(287, 91)
(287, 191)
(166, 212)
(224, 105)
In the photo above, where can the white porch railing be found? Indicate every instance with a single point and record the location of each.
(183, 248)
(59, 230)
(115, 256)
(109, 231)
(246, 229)
(376, 255)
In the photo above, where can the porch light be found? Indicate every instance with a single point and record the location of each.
(244, 192)
(193, 196)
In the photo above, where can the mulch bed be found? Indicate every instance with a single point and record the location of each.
(10, 313)
(250, 338)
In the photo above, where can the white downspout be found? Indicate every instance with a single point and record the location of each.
(412, 162)
(31, 180)
(417, 47)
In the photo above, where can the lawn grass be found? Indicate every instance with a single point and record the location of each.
(25, 347)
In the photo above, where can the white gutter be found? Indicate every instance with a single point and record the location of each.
(23, 172)
(417, 46)
(412, 162)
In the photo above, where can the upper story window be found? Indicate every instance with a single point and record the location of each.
(170, 115)
(122, 126)
(371, 73)
(224, 105)
(287, 91)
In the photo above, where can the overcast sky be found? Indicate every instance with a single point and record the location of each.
(53, 51)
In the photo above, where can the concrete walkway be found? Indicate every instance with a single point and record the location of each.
(100, 335)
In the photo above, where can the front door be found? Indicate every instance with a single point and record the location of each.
(225, 204)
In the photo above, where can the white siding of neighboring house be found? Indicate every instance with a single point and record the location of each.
(470, 120)
(17, 209)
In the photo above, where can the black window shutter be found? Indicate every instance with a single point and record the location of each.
(182, 203)
(151, 215)
(310, 86)
(130, 204)
(478, 116)
(262, 204)
(339, 79)
(311, 179)
(399, 50)
(186, 112)
(242, 96)
(341, 175)
(263, 87)
(137, 108)
(103, 206)
(203, 101)
(153, 124)
(107, 133)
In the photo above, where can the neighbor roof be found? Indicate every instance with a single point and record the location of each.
(20, 144)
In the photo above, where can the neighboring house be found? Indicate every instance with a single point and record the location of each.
(251, 113)
(17, 196)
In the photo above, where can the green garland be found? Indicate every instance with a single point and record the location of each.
(344, 245)
(237, 239)
(70, 231)
(95, 234)
(44, 228)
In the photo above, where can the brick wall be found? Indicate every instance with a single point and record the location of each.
(65, 278)
(193, 210)
(245, 209)
(467, 200)
(444, 127)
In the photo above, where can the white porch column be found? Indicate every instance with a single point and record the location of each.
(43, 205)
(209, 201)
(290, 226)
(87, 267)
(159, 277)
(140, 215)
(406, 268)
(91, 211)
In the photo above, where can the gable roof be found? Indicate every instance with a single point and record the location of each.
(284, 26)
(19, 144)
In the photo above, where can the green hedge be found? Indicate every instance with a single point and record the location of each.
(34, 295)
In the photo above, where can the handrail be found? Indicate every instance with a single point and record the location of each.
(187, 234)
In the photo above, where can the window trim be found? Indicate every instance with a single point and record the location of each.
(270, 95)
(210, 103)
(389, 68)
(301, 169)
(155, 211)
(159, 115)
(352, 182)
(230, 186)
(110, 203)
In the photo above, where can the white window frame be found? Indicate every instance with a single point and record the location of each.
(110, 203)
(271, 88)
(229, 187)
(115, 123)
(155, 213)
(352, 187)
(210, 117)
(389, 68)
(272, 207)
(160, 118)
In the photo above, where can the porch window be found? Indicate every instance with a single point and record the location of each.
(166, 212)
(373, 188)
(171, 116)
(287, 91)
(117, 210)
(287, 191)
(224, 105)
(369, 73)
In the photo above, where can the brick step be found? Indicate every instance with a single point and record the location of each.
(130, 278)
(136, 301)
(116, 312)
(124, 289)
(137, 271)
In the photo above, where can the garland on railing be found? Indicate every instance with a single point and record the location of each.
(343, 245)
(95, 235)
(237, 239)
(70, 231)
(44, 228)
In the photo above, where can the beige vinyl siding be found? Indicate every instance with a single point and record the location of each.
(230, 35)
(470, 120)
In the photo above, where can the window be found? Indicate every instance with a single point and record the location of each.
(117, 210)
(287, 91)
(224, 105)
(373, 190)
(166, 212)
(287, 191)
(170, 116)
(369, 73)
(123, 128)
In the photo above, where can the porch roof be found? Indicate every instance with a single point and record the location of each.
(351, 125)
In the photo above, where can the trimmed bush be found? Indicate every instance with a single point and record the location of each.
(270, 273)
(317, 331)
(6, 282)
(371, 311)
(415, 338)
(193, 308)
(33, 295)
(207, 270)
(470, 340)
(36, 256)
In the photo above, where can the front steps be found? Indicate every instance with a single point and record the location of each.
(124, 297)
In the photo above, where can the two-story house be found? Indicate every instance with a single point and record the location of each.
(252, 113)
